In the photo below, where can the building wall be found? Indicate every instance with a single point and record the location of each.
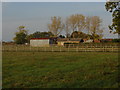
(61, 43)
(39, 43)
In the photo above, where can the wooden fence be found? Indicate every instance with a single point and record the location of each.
(80, 48)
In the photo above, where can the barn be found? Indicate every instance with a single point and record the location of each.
(39, 42)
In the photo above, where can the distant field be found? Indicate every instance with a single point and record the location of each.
(60, 70)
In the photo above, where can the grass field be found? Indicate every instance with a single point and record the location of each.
(60, 70)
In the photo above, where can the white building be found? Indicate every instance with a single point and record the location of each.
(39, 42)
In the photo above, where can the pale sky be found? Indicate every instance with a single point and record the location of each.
(54, 0)
(36, 16)
(0, 21)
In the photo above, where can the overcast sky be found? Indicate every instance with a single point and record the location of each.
(36, 15)
(54, 0)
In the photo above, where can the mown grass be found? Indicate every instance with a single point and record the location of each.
(60, 70)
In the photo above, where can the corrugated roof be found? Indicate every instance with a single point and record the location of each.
(69, 39)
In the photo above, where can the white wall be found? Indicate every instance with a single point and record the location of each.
(39, 43)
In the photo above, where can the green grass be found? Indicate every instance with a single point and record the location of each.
(60, 70)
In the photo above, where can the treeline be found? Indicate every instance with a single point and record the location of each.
(77, 23)
(74, 26)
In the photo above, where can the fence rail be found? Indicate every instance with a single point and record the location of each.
(80, 48)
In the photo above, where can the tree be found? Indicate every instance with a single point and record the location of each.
(61, 36)
(72, 22)
(76, 22)
(66, 28)
(38, 34)
(28, 37)
(56, 26)
(114, 8)
(77, 34)
(88, 23)
(95, 26)
(80, 22)
(20, 37)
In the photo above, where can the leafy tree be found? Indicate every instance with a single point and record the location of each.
(77, 34)
(38, 34)
(20, 37)
(46, 35)
(28, 37)
(61, 36)
(114, 8)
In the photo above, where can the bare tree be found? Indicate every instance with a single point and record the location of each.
(67, 28)
(72, 22)
(88, 24)
(95, 25)
(80, 22)
(100, 32)
(76, 22)
(56, 26)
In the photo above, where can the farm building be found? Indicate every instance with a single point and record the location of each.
(88, 40)
(39, 42)
(43, 42)
(106, 40)
(62, 41)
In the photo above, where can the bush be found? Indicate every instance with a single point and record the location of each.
(116, 40)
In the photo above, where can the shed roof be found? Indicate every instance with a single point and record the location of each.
(69, 39)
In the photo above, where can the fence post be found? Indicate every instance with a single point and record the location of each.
(52, 48)
(76, 49)
(37, 48)
(68, 48)
(45, 49)
(16, 48)
(30, 48)
(112, 49)
(8, 48)
(23, 48)
(86, 48)
(2, 48)
(94, 48)
(60, 48)
(104, 48)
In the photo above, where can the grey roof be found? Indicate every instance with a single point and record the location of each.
(68, 39)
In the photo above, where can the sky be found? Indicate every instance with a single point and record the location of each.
(54, 0)
(0, 21)
(36, 15)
